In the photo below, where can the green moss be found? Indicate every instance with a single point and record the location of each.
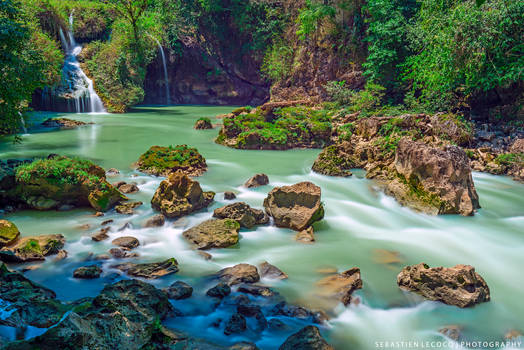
(204, 119)
(231, 224)
(417, 191)
(8, 231)
(509, 159)
(345, 131)
(161, 159)
(32, 246)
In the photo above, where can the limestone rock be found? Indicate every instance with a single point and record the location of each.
(126, 242)
(213, 233)
(335, 160)
(127, 208)
(163, 161)
(155, 221)
(340, 286)
(128, 188)
(243, 214)
(33, 248)
(305, 236)
(149, 270)
(229, 195)
(221, 290)
(101, 234)
(203, 123)
(236, 324)
(240, 273)
(270, 271)
(257, 180)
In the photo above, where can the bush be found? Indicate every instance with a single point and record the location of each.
(277, 61)
(339, 93)
(310, 17)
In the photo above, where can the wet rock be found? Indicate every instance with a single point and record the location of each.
(452, 332)
(256, 290)
(179, 290)
(512, 334)
(163, 161)
(213, 233)
(203, 123)
(387, 257)
(101, 234)
(205, 255)
(33, 248)
(102, 257)
(119, 253)
(179, 196)
(306, 236)
(257, 180)
(221, 290)
(61, 255)
(229, 195)
(155, 221)
(459, 285)
(127, 208)
(308, 338)
(270, 271)
(63, 123)
(149, 270)
(8, 232)
(288, 310)
(296, 207)
(107, 222)
(340, 286)
(240, 273)
(125, 226)
(243, 214)
(275, 324)
(98, 214)
(432, 180)
(83, 227)
(249, 310)
(87, 272)
(517, 146)
(112, 172)
(335, 160)
(236, 324)
(126, 242)
(128, 188)
(27, 303)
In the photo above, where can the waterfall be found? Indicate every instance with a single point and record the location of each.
(75, 84)
(166, 80)
(22, 123)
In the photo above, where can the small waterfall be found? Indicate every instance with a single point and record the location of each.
(76, 85)
(166, 80)
(22, 123)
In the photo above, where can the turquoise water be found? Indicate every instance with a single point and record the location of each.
(360, 223)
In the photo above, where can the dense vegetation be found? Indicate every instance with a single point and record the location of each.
(427, 54)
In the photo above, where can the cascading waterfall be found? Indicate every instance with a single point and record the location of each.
(76, 87)
(22, 123)
(166, 80)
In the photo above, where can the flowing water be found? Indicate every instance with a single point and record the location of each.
(166, 78)
(361, 228)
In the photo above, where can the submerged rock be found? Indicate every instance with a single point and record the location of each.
(236, 324)
(149, 270)
(33, 248)
(163, 161)
(305, 236)
(127, 208)
(155, 221)
(270, 271)
(221, 290)
(179, 290)
(452, 332)
(87, 272)
(101, 234)
(340, 286)
(179, 195)
(459, 285)
(308, 338)
(8, 232)
(257, 180)
(120, 253)
(240, 273)
(213, 233)
(243, 214)
(296, 207)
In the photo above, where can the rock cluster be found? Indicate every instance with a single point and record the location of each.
(242, 213)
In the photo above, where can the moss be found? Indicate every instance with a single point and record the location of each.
(32, 246)
(417, 191)
(426, 266)
(330, 162)
(231, 224)
(160, 160)
(509, 159)
(8, 232)
(204, 119)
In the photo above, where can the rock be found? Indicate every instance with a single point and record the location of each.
(213, 233)
(203, 123)
(33, 248)
(125, 226)
(240, 273)
(63, 123)
(296, 207)
(112, 172)
(163, 161)
(433, 180)
(452, 332)
(101, 234)
(459, 285)
(101, 257)
(387, 257)
(98, 214)
(127, 208)
(87, 272)
(221, 290)
(128, 188)
(119, 253)
(149, 270)
(61, 255)
(179, 196)
(257, 180)
(106, 222)
(305, 236)
(8, 232)
(236, 324)
(340, 286)
(179, 290)
(243, 214)
(275, 324)
(517, 146)
(512, 334)
(205, 255)
(229, 195)
(126, 242)
(27, 303)
(155, 221)
(249, 310)
(335, 160)
(288, 310)
(256, 290)
(308, 338)
(270, 271)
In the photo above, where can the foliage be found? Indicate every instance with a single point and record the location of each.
(277, 61)
(339, 93)
(167, 158)
(345, 131)
(508, 159)
(310, 17)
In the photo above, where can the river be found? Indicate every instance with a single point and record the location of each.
(362, 227)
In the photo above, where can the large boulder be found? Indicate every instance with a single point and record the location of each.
(33, 248)
(335, 160)
(179, 195)
(149, 270)
(163, 161)
(87, 272)
(340, 286)
(296, 207)
(213, 233)
(8, 232)
(243, 214)
(433, 180)
(240, 273)
(459, 285)
(27, 303)
(72, 182)
(308, 338)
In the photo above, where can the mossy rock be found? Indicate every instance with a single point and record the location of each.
(214, 233)
(34, 248)
(203, 123)
(105, 199)
(162, 161)
(8, 232)
(332, 162)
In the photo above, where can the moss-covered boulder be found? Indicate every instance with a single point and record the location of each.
(203, 123)
(278, 128)
(57, 181)
(334, 160)
(8, 232)
(179, 195)
(163, 161)
(213, 233)
(150, 270)
(34, 248)
(63, 123)
(243, 214)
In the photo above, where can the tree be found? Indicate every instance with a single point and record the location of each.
(132, 11)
